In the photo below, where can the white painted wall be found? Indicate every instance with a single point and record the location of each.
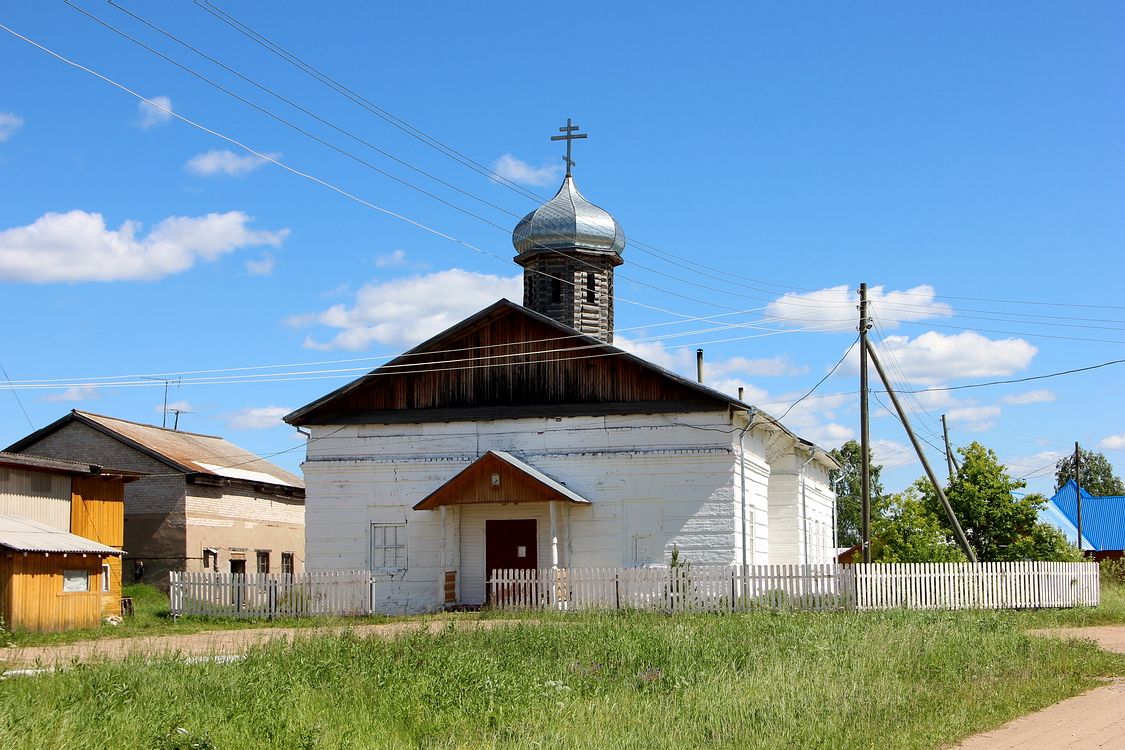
(800, 506)
(663, 479)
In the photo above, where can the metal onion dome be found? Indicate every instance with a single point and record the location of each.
(568, 222)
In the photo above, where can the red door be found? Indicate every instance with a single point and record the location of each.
(510, 544)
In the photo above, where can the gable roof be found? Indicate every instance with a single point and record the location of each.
(508, 361)
(25, 535)
(1103, 517)
(499, 477)
(188, 452)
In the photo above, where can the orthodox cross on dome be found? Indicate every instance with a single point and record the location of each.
(569, 135)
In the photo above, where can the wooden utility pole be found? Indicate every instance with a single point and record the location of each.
(864, 426)
(958, 532)
(1078, 491)
(948, 450)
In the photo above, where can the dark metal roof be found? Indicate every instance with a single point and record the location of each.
(189, 452)
(24, 535)
(1103, 518)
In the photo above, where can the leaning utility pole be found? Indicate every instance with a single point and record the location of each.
(957, 530)
(1078, 491)
(948, 450)
(864, 426)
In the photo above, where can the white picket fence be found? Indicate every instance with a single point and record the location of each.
(720, 588)
(268, 595)
(994, 585)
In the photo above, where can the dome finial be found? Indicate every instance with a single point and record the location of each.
(569, 135)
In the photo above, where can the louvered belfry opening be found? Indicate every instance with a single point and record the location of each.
(568, 248)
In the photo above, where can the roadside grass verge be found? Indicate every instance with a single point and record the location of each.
(151, 617)
(618, 680)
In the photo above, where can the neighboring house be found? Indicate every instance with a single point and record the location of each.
(1103, 520)
(521, 438)
(206, 505)
(61, 540)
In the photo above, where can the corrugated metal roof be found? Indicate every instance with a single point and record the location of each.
(1103, 518)
(55, 465)
(24, 535)
(195, 453)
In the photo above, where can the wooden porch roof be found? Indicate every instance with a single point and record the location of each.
(499, 477)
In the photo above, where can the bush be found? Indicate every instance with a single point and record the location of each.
(1113, 571)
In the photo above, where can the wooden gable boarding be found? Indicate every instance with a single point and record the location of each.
(499, 477)
(506, 362)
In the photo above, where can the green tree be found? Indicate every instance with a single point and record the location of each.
(999, 524)
(848, 484)
(906, 530)
(1096, 474)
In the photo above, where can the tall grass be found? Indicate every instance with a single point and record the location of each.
(894, 679)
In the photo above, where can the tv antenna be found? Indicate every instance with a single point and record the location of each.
(167, 382)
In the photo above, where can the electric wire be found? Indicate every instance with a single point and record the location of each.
(821, 381)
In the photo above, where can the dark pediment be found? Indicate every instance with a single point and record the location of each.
(506, 362)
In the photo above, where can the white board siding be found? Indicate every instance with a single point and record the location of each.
(625, 465)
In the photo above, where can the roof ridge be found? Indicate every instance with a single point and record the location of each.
(146, 425)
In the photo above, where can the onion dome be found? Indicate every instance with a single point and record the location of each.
(568, 222)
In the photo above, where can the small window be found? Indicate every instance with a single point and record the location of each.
(105, 579)
(388, 546)
(263, 561)
(591, 293)
(556, 290)
(287, 563)
(75, 581)
(210, 558)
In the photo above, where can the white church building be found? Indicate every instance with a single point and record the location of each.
(522, 438)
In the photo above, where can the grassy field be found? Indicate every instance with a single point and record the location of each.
(152, 618)
(839, 680)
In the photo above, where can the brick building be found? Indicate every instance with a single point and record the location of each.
(204, 504)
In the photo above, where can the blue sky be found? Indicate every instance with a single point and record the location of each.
(948, 155)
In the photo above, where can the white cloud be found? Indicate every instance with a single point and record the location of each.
(157, 113)
(517, 170)
(891, 454)
(751, 394)
(767, 367)
(972, 413)
(262, 267)
(391, 260)
(834, 308)
(77, 246)
(935, 358)
(1039, 464)
(974, 418)
(9, 124)
(1029, 397)
(1113, 443)
(182, 406)
(79, 393)
(829, 436)
(406, 311)
(256, 418)
(224, 162)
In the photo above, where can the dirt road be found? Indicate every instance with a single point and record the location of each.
(1091, 721)
(213, 643)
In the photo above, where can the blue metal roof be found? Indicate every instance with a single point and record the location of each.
(1103, 518)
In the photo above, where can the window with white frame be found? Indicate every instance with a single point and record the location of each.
(388, 546)
(105, 578)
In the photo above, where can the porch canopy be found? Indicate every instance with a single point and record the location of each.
(499, 477)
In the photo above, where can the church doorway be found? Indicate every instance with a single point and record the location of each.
(510, 544)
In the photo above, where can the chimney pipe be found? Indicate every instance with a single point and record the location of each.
(739, 393)
(699, 365)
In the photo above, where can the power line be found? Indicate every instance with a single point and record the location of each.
(18, 400)
(821, 381)
(1018, 380)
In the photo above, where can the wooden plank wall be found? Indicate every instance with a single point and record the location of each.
(97, 511)
(37, 598)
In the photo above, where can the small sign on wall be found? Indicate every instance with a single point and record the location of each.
(521, 551)
(642, 549)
